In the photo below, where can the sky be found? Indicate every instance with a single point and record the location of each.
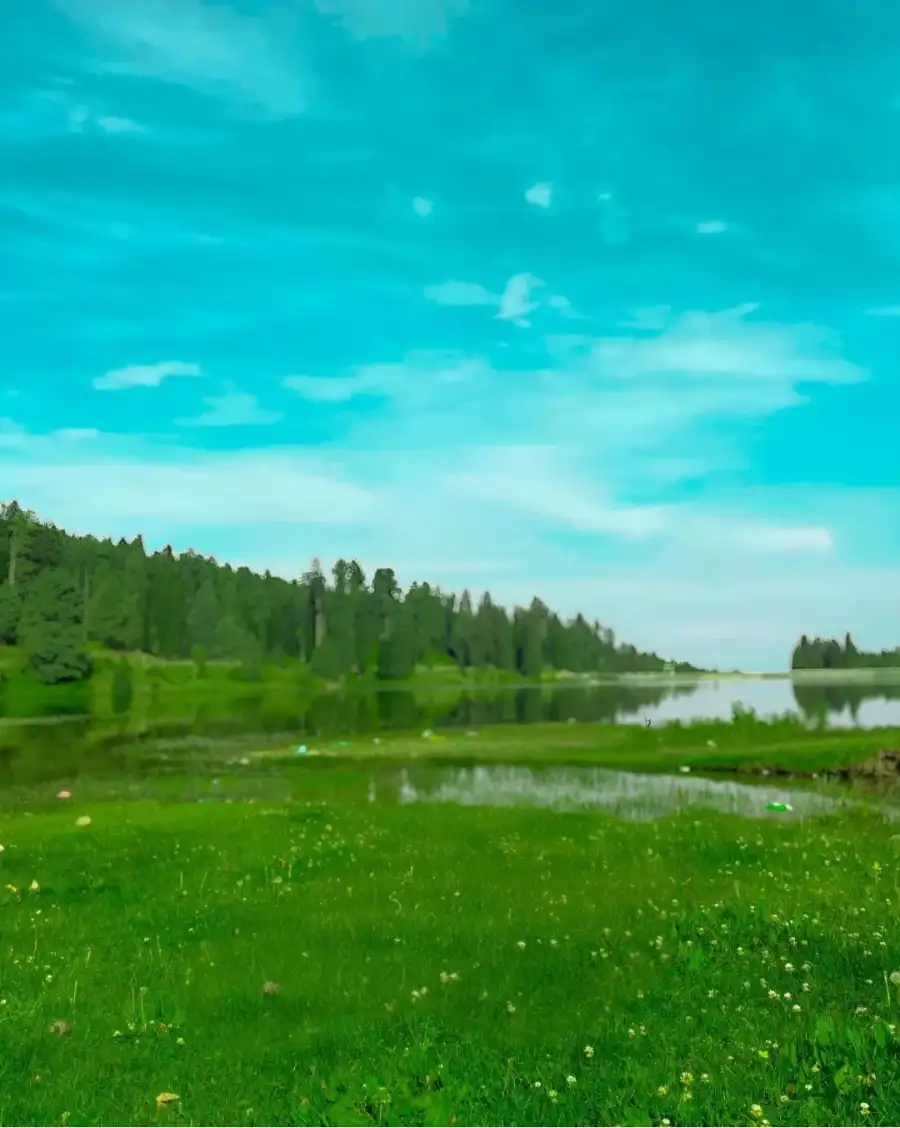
(598, 302)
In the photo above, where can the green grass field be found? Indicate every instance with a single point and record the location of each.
(327, 961)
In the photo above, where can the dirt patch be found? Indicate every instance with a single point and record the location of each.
(883, 767)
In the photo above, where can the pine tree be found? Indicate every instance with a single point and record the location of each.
(50, 629)
(203, 617)
(10, 611)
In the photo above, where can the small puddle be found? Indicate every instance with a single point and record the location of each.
(625, 794)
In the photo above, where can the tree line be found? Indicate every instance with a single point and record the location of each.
(831, 654)
(61, 592)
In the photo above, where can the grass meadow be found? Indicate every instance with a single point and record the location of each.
(330, 961)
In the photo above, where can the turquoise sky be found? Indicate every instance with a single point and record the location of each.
(595, 301)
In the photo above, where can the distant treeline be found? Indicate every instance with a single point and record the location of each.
(830, 654)
(62, 592)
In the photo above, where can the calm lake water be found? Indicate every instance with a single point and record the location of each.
(137, 744)
(627, 795)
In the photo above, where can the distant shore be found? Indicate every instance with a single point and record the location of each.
(867, 674)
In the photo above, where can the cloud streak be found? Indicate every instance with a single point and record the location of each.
(144, 375)
(540, 195)
(216, 51)
(732, 343)
(234, 409)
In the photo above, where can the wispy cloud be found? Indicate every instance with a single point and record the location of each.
(11, 433)
(453, 293)
(109, 123)
(541, 195)
(234, 409)
(420, 375)
(145, 375)
(531, 479)
(418, 22)
(513, 304)
(884, 311)
(732, 344)
(215, 50)
(711, 227)
(565, 308)
(80, 117)
(370, 380)
(515, 301)
(654, 318)
(77, 434)
(186, 489)
(422, 207)
(549, 483)
(326, 389)
(777, 539)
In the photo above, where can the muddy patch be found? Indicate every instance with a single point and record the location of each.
(882, 768)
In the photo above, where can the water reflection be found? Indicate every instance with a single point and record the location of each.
(828, 701)
(138, 740)
(849, 702)
(626, 795)
(837, 704)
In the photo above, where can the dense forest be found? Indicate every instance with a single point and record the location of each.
(61, 593)
(830, 654)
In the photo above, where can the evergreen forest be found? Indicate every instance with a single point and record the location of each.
(831, 654)
(64, 596)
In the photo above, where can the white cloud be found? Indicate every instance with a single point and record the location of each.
(565, 308)
(416, 378)
(189, 491)
(727, 344)
(651, 318)
(530, 479)
(453, 293)
(77, 434)
(418, 22)
(512, 305)
(548, 482)
(371, 380)
(112, 124)
(541, 195)
(11, 434)
(234, 409)
(515, 301)
(324, 389)
(884, 311)
(421, 206)
(773, 540)
(145, 375)
(711, 227)
(212, 49)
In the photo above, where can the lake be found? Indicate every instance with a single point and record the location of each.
(139, 744)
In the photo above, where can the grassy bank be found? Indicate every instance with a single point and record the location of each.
(43, 757)
(711, 746)
(440, 965)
